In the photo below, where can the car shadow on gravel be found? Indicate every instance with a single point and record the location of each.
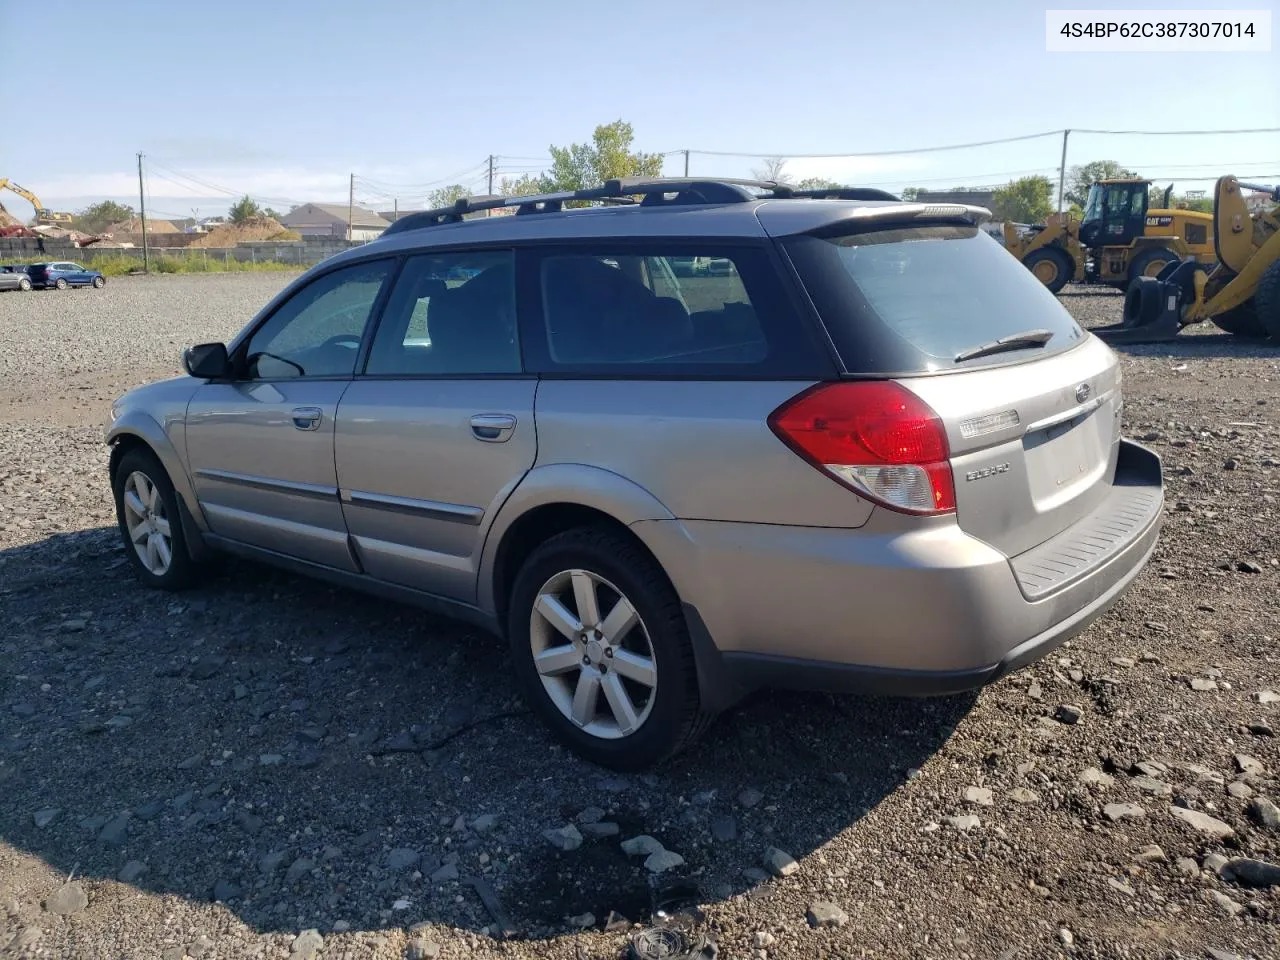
(309, 756)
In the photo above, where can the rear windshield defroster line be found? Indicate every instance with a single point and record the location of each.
(907, 300)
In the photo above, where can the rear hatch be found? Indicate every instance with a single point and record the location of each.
(1030, 403)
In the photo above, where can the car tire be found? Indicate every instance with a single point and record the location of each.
(60, 283)
(150, 522)
(24, 285)
(99, 282)
(586, 680)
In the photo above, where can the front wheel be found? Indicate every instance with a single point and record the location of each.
(150, 524)
(60, 283)
(24, 285)
(99, 282)
(1051, 266)
(1267, 301)
(601, 650)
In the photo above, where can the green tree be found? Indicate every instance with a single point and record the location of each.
(1081, 178)
(910, 193)
(98, 216)
(818, 183)
(447, 196)
(273, 214)
(524, 186)
(244, 209)
(581, 166)
(1027, 200)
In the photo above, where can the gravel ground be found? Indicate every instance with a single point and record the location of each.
(216, 774)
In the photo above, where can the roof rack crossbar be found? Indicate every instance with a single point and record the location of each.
(654, 191)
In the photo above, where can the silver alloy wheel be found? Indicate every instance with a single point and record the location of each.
(588, 640)
(148, 527)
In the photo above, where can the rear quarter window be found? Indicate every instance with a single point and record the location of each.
(908, 299)
(668, 309)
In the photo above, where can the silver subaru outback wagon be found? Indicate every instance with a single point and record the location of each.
(688, 440)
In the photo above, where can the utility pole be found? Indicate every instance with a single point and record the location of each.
(351, 205)
(395, 207)
(1062, 170)
(142, 205)
(686, 163)
(491, 174)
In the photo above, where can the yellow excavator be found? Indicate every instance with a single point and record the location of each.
(1240, 293)
(44, 216)
(1120, 237)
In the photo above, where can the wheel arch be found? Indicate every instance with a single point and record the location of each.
(548, 501)
(137, 430)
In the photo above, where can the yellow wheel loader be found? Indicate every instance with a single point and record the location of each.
(1240, 294)
(1120, 238)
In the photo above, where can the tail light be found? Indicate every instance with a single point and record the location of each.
(875, 437)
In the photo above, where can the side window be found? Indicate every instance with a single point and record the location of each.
(450, 314)
(317, 331)
(651, 308)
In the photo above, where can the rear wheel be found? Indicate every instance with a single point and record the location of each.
(99, 283)
(1051, 266)
(60, 283)
(1267, 300)
(601, 650)
(1149, 263)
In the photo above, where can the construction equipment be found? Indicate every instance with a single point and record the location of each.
(1240, 294)
(44, 216)
(1121, 237)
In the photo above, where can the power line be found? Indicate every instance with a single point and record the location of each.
(967, 146)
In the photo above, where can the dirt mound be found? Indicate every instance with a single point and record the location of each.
(134, 225)
(7, 219)
(254, 230)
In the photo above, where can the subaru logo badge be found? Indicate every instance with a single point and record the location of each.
(1082, 393)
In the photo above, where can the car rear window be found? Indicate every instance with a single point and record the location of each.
(908, 299)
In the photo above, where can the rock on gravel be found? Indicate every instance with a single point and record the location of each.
(421, 949)
(823, 913)
(641, 846)
(978, 796)
(1251, 873)
(660, 861)
(1123, 811)
(1068, 713)
(1202, 823)
(1265, 812)
(779, 862)
(306, 945)
(564, 838)
(67, 900)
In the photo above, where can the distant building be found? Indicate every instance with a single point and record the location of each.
(330, 220)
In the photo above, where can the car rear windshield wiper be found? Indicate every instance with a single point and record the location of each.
(1016, 341)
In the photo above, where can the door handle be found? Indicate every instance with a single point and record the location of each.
(492, 427)
(306, 418)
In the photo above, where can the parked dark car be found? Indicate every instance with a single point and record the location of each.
(13, 276)
(61, 274)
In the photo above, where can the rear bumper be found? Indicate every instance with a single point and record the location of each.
(930, 612)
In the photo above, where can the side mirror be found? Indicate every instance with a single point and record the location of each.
(207, 361)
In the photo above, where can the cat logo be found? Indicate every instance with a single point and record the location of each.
(1159, 221)
(985, 472)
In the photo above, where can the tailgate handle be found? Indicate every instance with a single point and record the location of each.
(1057, 418)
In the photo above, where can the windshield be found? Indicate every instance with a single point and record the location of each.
(1093, 205)
(910, 299)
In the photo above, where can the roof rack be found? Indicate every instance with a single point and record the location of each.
(652, 191)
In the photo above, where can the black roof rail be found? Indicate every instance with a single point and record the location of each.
(654, 191)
